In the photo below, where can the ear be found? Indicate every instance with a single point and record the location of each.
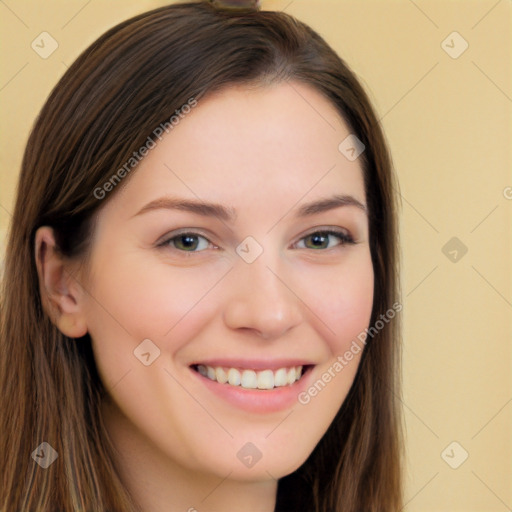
(61, 293)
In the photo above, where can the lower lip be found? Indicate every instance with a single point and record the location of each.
(259, 401)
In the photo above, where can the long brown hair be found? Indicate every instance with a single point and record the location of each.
(104, 108)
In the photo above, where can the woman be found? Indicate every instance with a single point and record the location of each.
(200, 296)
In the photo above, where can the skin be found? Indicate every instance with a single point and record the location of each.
(263, 152)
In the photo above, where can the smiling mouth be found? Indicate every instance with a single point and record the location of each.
(251, 379)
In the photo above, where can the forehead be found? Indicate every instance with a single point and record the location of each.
(266, 146)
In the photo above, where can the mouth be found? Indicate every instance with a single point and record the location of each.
(255, 385)
(264, 380)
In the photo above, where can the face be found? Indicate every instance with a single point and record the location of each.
(237, 250)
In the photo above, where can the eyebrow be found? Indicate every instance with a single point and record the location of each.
(208, 209)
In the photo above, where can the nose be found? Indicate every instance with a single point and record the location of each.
(261, 301)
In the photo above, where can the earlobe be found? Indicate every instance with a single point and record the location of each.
(61, 293)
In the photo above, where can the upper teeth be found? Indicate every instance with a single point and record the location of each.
(250, 379)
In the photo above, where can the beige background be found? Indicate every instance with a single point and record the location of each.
(448, 121)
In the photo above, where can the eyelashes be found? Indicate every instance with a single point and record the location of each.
(322, 236)
(318, 240)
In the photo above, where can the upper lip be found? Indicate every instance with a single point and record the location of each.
(253, 364)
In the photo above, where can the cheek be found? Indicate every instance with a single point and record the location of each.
(132, 301)
(344, 306)
(343, 300)
(147, 301)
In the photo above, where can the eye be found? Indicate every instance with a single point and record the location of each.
(187, 242)
(324, 239)
(195, 242)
